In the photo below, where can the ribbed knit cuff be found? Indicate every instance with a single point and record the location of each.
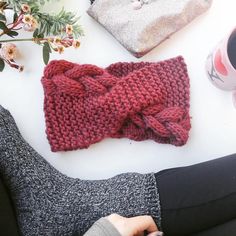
(153, 199)
(102, 227)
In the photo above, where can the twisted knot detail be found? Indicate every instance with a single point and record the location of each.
(85, 104)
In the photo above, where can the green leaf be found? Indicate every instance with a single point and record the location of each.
(15, 17)
(16, 4)
(48, 46)
(3, 26)
(2, 64)
(46, 53)
(35, 34)
(41, 36)
(12, 34)
(2, 17)
(49, 24)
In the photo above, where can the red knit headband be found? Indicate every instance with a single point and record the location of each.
(85, 104)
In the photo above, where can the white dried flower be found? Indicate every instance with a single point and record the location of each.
(25, 8)
(9, 51)
(76, 44)
(60, 49)
(57, 41)
(31, 24)
(69, 29)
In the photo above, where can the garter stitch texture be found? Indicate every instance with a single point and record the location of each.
(49, 203)
(85, 104)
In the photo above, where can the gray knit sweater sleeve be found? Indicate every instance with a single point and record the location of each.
(102, 227)
(48, 202)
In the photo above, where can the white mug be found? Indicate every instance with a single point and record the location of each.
(221, 64)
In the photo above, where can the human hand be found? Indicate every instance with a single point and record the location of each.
(134, 226)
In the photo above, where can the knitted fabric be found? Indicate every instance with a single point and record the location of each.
(85, 104)
(49, 203)
(103, 227)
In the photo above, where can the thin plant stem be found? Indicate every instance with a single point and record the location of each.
(23, 40)
(16, 40)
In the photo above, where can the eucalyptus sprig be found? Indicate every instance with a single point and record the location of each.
(55, 24)
(54, 32)
(16, 4)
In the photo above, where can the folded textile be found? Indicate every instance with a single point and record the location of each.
(142, 25)
(85, 104)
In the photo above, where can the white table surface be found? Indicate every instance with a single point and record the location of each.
(213, 132)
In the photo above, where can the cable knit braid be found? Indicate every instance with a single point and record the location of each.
(85, 104)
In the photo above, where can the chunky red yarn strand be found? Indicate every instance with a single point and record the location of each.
(85, 104)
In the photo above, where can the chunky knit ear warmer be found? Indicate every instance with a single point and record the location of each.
(85, 104)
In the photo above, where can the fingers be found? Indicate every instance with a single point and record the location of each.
(142, 223)
(134, 226)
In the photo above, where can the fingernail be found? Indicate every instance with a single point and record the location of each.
(158, 233)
